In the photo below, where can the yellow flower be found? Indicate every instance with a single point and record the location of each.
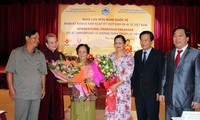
(107, 67)
(111, 70)
(92, 83)
(80, 64)
(108, 73)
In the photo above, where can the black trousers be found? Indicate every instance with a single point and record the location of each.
(147, 108)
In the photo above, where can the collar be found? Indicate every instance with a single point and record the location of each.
(148, 51)
(25, 50)
(184, 48)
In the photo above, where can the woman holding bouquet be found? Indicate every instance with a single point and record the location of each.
(52, 105)
(82, 104)
(124, 64)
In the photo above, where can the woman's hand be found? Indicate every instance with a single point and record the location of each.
(114, 87)
(89, 80)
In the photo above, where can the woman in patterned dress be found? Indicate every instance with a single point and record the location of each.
(124, 64)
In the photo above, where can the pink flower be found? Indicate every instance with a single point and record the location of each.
(57, 68)
(68, 69)
(69, 75)
(63, 66)
(63, 72)
(53, 64)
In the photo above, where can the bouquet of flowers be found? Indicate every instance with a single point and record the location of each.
(76, 73)
(65, 70)
(107, 69)
(71, 72)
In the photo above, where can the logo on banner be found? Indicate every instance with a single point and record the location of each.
(105, 11)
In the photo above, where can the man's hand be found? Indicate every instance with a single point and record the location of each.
(157, 96)
(43, 92)
(12, 93)
(195, 105)
(162, 98)
(43, 86)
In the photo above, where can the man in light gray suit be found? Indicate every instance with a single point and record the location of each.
(180, 86)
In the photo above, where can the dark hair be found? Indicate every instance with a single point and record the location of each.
(30, 32)
(128, 40)
(147, 32)
(122, 37)
(85, 45)
(187, 31)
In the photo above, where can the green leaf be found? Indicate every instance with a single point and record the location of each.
(61, 57)
(110, 63)
(70, 85)
(51, 67)
(61, 81)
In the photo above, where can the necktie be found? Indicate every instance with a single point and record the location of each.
(144, 58)
(178, 57)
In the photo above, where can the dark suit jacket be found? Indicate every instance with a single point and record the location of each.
(146, 82)
(181, 84)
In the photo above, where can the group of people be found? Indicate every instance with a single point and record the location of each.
(149, 76)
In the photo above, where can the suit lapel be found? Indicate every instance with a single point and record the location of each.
(187, 50)
(139, 59)
(151, 54)
(173, 58)
(150, 57)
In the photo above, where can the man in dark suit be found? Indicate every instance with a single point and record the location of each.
(180, 86)
(147, 74)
